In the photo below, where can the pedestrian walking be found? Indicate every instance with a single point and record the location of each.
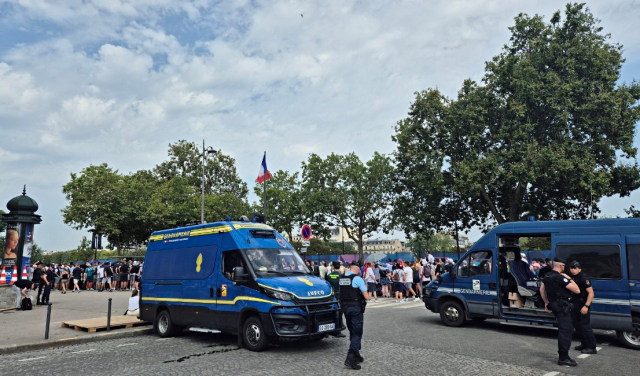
(580, 316)
(556, 292)
(353, 295)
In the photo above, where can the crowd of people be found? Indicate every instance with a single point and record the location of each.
(76, 277)
(395, 279)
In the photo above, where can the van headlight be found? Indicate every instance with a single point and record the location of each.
(280, 295)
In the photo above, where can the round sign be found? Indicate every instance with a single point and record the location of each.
(306, 232)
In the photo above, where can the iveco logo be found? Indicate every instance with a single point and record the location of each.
(315, 293)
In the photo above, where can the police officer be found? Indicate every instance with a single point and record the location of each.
(334, 280)
(580, 316)
(556, 292)
(353, 293)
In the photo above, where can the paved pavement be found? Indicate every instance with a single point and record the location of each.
(25, 330)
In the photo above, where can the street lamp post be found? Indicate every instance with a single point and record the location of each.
(205, 151)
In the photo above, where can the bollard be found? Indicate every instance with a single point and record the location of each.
(109, 317)
(46, 332)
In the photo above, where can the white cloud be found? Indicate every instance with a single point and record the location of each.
(116, 81)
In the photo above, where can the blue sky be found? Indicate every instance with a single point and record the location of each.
(90, 81)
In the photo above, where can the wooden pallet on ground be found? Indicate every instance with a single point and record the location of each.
(92, 325)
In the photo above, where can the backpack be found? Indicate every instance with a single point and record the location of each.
(26, 304)
(396, 276)
(426, 271)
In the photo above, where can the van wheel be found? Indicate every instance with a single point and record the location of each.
(452, 314)
(254, 337)
(164, 325)
(631, 339)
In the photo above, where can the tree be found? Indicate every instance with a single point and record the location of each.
(548, 134)
(94, 198)
(220, 175)
(341, 190)
(284, 207)
(3, 226)
(435, 243)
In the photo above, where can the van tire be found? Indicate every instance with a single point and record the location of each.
(452, 314)
(631, 339)
(164, 325)
(253, 334)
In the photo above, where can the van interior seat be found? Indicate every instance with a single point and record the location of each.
(526, 280)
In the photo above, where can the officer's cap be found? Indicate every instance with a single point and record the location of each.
(336, 264)
(575, 264)
(560, 260)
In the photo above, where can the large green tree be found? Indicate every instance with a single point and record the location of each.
(284, 206)
(548, 133)
(341, 190)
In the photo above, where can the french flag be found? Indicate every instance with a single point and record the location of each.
(264, 173)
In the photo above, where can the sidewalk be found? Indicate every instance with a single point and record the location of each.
(25, 330)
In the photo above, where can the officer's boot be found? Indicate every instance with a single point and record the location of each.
(351, 361)
(359, 358)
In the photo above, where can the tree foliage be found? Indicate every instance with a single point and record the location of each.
(284, 201)
(127, 208)
(548, 133)
(341, 190)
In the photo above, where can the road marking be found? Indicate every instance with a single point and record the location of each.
(28, 359)
(128, 344)
(583, 356)
(82, 351)
(554, 373)
(599, 348)
(163, 339)
(605, 343)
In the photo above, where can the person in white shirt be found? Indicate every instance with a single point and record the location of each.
(134, 304)
(370, 279)
(408, 272)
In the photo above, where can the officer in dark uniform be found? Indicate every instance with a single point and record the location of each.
(556, 292)
(580, 316)
(353, 293)
(334, 278)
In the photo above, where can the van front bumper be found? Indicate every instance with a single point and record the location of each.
(303, 321)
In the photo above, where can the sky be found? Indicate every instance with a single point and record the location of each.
(87, 82)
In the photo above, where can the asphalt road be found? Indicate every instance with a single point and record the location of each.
(403, 339)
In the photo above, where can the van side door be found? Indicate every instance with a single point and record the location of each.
(601, 259)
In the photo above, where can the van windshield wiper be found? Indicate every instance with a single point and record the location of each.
(297, 272)
(276, 272)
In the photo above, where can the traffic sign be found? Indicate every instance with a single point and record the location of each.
(306, 243)
(303, 250)
(306, 232)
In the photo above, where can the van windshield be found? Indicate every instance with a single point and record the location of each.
(276, 261)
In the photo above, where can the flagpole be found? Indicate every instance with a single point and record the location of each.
(264, 201)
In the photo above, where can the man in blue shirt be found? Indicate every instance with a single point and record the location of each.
(353, 296)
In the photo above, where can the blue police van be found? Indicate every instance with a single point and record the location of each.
(491, 280)
(241, 278)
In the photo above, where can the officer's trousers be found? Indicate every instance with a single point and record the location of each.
(582, 324)
(355, 323)
(40, 288)
(565, 330)
(45, 295)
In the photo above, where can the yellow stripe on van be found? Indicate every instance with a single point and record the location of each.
(238, 226)
(211, 230)
(209, 301)
(154, 238)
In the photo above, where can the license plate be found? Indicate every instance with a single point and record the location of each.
(325, 327)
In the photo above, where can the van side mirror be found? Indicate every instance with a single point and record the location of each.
(239, 275)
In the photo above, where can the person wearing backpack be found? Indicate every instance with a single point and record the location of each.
(426, 274)
(398, 283)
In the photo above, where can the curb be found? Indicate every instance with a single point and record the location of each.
(74, 341)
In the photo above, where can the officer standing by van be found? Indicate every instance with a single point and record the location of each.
(580, 315)
(556, 292)
(353, 294)
(334, 279)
